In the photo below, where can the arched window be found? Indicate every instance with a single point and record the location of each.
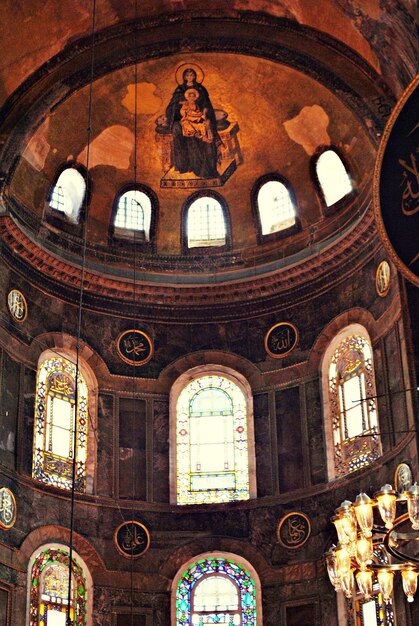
(206, 224)
(216, 590)
(56, 418)
(212, 440)
(348, 366)
(332, 176)
(276, 207)
(68, 194)
(48, 585)
(133, 215)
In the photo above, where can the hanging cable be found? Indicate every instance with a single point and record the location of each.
(79, 324)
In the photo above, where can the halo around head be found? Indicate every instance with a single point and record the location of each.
(185, 66)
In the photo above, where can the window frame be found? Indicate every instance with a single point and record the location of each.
(58, 219)
(130, 239)
(329, 403)
(91, 410)
(178, 386)
(205, 250)
(35, 593)
(347, 198)
(285, 232)
(239, 562)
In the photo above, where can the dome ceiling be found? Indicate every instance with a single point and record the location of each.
(280, 80)
(281, 117)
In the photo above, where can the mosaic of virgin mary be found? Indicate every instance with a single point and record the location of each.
(191, 119)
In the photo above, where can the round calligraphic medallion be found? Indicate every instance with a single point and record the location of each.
(382, 279)
(17, 306)
(281, 339)
(403, 478)
(131, 539)
(134, 347)
(396, 184)
(7, 508)
(293, 530)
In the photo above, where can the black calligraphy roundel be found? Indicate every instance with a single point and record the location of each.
(396, 184)
(293, 530)
(132, 539)
(134, 347)
(7, 508)
(281, 339)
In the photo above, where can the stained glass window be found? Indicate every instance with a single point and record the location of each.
(216, 591)
(353, 406)
(333, 177)
(133, 214)
(68, 194)
(205, 223)
(211, 440)
(49, 590)
(276, 208)
(55, 421)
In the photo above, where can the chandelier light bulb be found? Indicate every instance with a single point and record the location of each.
(386, 499)
(364, 582)
(332, 568)
(364, 513)
(364, 551)
(385, 580)
(413, 505)
(342, 536)
(410, 583)
(347, 581)
(347, 515)
(343, 560)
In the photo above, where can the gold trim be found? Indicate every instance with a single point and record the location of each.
(124, 554)
(281, 356)
(281, 523)
(124, 358)
(376, 183)
(24, 302)
(396, 473)
(382, 294)
(12, 523)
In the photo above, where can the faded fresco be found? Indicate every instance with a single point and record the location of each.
(200, 146)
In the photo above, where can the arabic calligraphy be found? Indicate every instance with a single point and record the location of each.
(134, 347)
(132, 539)
(382, 279)
(294, 530)
(281, 339)
(410, 186)
(17, 305)
(7, 508)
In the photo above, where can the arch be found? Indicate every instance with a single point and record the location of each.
(134, 215)
(244, 604)
(48, 587)
(349, 402)
(205, 223)
(64, 403)
(68, 193)
(332, 177)
(211, 464)
(274, 207)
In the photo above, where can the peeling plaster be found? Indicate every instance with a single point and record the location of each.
(112, 147)
(309, 128)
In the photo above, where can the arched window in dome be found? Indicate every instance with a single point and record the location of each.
(56, 418)
(49, 582)
(215, 590)
(133, 215)
(212, 441)
(68, 194)
(206, 223)
(332, 176)
(276, 206)
(352, 402)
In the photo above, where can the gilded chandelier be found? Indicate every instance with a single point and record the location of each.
(373, 540)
